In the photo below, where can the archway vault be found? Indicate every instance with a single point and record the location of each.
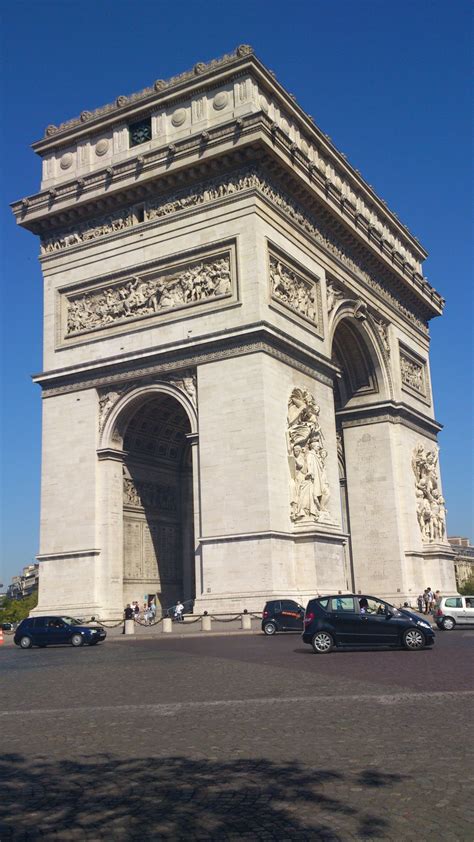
(362, 359)
(112, 435)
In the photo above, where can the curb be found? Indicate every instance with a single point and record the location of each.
(175, 635)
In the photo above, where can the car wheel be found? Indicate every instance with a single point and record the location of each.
(322, 642)
(448, 624)
(414, 639)
(77, 640)
(269, 628)
(26, 642)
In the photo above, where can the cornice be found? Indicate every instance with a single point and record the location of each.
(256, 338)
(392, 411)
(205, 76)
(309, 189)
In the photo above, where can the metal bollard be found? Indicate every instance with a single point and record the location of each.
(129, 626)
(206, 623)
(167, 625)
(246, 622)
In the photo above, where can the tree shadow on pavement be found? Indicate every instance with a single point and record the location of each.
(107, 797)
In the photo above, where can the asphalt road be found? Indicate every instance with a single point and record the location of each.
(237, 737)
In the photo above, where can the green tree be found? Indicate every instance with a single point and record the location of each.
(468, 587)
(14, 610)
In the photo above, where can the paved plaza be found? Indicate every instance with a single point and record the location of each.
(236, 737)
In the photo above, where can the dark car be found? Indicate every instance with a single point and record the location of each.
(349, 620)
(7, 626)
(50, 631)
(282, 615)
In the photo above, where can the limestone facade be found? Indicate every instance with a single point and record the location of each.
(237, 401)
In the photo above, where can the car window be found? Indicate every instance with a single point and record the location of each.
(453, 602)
(372, 606)
(276, 607)
(469, 601)
(289, 605)
(343, 604)
(39, 622)
(55, 623)
(324, 603)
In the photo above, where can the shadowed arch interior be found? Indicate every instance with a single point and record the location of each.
(157, 504)
(357, 371)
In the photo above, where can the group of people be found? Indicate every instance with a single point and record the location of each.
(427, 600)
(132, 612)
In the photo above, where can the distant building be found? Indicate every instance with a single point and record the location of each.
(25, 584)
(464, 561)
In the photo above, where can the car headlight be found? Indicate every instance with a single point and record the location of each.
(423, 623)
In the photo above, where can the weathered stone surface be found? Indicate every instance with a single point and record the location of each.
(238, 267)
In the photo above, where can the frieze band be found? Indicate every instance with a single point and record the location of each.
(215, 189)
(148, 295)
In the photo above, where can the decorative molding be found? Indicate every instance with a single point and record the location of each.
(294, 289)
(413, 372)
(89, 231)
(312, 365)
(430, 508)
(393, 413)
(186, 381)
(309, 486)
(249, 179)
(160, 85)
(157, 290)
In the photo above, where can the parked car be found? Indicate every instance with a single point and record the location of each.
(453, 610)
(349, 620)
(282, 615)
(7, 626)
(50, 631)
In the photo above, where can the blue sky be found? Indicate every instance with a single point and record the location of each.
(389, 82)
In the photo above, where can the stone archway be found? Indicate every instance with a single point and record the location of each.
(363, 382)
(157, 504)
(149, 484)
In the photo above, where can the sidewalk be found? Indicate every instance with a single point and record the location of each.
(189, 628)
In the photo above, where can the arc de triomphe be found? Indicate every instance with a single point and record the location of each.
(236, 389)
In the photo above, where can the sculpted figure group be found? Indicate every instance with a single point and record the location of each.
(292, 290)
(412, 374)
(307, 457)
(140, 297)
(430, 509)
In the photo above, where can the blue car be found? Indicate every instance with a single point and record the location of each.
(50, 631)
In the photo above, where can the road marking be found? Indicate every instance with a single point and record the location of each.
(168, 709)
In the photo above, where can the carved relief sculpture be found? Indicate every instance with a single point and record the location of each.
(333, 295)
(144, 296)
(307, 458)
(293, 291)
(430, 508)
(413, 374)
(140, 494)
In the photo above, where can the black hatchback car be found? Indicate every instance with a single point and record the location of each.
(349, 620)
(50, 631)
(282, 615)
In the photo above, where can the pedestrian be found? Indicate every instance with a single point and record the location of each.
(178, 611)
(420, 603)
(152, 612)
(437, 597)
(129, 613)
(430, 600)
(425, 600)
(136, 610)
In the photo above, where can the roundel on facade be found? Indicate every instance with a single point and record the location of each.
(220, 100)
(179, 117)
(102, 147)
(66, 161)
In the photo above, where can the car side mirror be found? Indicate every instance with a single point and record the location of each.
(389, 612)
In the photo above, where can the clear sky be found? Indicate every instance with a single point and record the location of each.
(388, 81)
